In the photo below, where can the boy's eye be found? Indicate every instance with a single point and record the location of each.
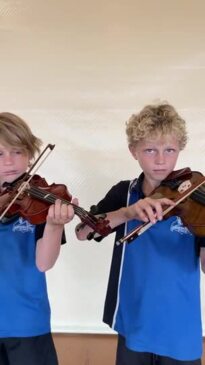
(17, 152)
(150, 150)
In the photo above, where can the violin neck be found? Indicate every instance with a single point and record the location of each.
(45, 196)
(50, 198)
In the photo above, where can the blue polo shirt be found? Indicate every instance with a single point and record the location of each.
(24, 305)
(153, 296)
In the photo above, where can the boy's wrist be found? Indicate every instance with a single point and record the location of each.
(126, 213)
(54, 226)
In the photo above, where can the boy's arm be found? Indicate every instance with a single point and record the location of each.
(48, 247)
(115, 218)
(145, 210)
(202, 257)
(200, 246)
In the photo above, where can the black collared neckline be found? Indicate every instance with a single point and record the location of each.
(136, 185)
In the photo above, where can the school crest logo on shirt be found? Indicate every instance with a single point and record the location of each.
(23, 226)
(179, 227)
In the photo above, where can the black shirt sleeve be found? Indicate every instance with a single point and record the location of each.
(200, 241)
(113, 200)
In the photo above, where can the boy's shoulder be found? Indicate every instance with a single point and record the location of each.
(123, 186)
(132, 183)
(116, 196)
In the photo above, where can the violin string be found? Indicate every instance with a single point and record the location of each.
(51, 198)
(199, 194)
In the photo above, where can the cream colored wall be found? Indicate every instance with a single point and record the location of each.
(76, 70)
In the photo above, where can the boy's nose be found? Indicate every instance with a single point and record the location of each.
(160, 158)
(8, 160)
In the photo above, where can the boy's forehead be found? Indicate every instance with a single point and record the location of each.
(158, 139)
(160, 136)
(3, 145)
(7, 147)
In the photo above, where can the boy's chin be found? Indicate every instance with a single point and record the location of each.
(11, 178)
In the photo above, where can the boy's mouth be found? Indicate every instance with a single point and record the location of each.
(10, 173)
(160, 170)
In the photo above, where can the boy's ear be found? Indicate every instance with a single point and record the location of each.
(133, 151)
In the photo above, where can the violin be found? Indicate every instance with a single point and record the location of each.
(36, 197)
(186, 189)
(30, 196)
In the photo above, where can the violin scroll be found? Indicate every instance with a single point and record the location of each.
(98, 223)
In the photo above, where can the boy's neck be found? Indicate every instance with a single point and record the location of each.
(148, 187)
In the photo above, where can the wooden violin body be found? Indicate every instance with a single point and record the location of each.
(187, 190)
(191, 209)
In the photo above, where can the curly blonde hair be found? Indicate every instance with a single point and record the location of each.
(15, 132)
(153, 120)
